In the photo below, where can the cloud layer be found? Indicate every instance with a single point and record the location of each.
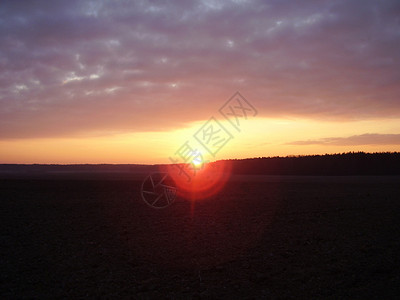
(355, 140)
(94, 67)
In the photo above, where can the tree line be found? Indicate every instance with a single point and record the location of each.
(351, 163)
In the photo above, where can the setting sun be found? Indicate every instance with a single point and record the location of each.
(217, 149)
(137, 96)
(198, 160)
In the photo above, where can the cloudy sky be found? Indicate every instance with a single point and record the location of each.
(131, 81)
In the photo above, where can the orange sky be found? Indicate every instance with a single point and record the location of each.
(259, 137)
(131, 83)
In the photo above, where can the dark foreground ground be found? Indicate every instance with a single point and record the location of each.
(261, 237)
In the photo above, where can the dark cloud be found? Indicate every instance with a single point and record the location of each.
(69, 67)
(363, 139)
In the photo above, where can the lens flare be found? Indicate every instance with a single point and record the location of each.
(199, 180)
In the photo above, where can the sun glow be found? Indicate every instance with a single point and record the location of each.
(258, 137)
(198, 183)
(198, 160)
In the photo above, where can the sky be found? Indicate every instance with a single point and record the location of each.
(136, 81)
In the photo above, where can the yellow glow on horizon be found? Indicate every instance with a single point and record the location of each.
(258, 137)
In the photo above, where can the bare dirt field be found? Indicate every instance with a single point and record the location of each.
(260, 237)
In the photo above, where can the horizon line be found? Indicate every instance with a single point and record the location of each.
(228, 159)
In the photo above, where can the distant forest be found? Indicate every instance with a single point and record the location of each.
(351, 163)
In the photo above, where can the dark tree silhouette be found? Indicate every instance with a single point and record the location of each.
(351, 163)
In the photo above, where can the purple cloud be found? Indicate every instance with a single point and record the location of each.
(80, 66)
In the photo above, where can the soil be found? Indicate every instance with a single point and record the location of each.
(260, 237)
